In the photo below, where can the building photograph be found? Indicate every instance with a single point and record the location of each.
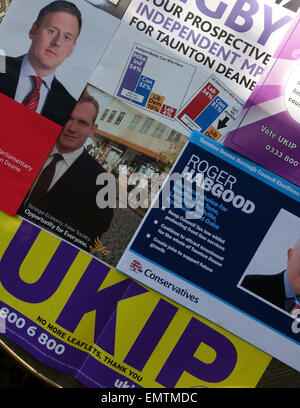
(127, 137)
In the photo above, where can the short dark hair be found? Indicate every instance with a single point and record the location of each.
(59, 5)
(86, 97)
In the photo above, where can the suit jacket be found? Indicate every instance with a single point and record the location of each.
(269, 287)
(59, 103)
(72, 199)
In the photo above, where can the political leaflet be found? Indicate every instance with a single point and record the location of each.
(40, 81)
(20, 161)
(192, 64)
(103, 339)
(205, 241)
(269, 124)
(45, 308)
(99, 201)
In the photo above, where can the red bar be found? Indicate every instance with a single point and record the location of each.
(200, 102)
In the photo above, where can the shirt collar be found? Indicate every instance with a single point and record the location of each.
(289, 291)
(27, 70)
(70, 157)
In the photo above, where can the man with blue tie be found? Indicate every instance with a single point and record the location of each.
(281, 289)
(30, 79)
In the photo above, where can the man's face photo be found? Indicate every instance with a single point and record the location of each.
(78, 128)
(293, 267)
(53, 40)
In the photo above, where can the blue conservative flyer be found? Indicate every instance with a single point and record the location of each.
(222, 238)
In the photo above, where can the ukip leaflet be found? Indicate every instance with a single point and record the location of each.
(79, 316)
(222, 239)
(192, 64)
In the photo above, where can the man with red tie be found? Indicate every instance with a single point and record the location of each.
(30, 79)
(66, 187)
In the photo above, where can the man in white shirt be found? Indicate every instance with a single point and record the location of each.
(66, 187)
(30, 79)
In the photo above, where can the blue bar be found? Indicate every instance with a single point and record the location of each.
(144, 88)
(211, 113)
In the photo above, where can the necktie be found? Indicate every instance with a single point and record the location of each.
(44, 180)
(31, 100)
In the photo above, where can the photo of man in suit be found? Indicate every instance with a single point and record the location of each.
(281, 289)
(30, 79)
(66, 186)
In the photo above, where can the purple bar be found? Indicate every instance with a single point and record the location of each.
(133, 73)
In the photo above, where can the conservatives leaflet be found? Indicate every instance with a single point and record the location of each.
(206, 260)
